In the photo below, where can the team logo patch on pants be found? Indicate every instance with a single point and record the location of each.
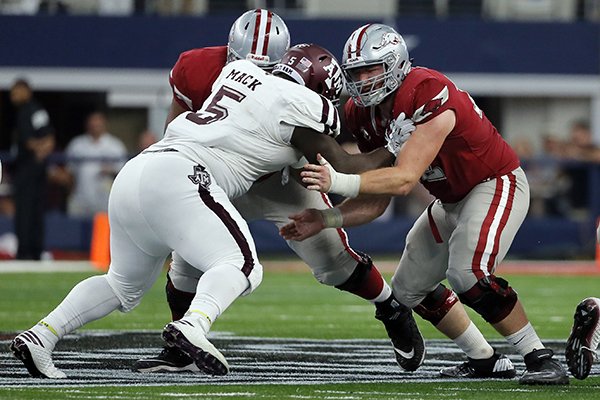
(200, 177)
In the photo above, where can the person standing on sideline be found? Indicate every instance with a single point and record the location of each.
(94, 159)
(34, 143)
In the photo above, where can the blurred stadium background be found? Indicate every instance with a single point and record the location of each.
(533, 66)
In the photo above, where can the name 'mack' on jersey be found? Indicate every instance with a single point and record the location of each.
(244, 128)
(194, 73)
(473, 151)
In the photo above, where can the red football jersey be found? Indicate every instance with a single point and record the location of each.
(473, 152)
(194, 73)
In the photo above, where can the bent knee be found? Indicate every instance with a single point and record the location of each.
(129, 296)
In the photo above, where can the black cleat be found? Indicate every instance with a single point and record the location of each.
(543, 369)
(191, 340)
(585, 336)
(170, 359)
(497, 366)
(402, 329)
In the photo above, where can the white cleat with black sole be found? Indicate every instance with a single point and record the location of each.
(192, 341)
(31, 350)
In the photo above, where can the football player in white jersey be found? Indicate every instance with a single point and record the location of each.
(262, 37)
(175, 196)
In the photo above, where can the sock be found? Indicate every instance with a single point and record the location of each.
(179, 300)
(217, 289)
(472, 342)
(89, 300)
(367, 282)
(525, 340)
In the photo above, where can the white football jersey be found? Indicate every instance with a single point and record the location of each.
(244, 128)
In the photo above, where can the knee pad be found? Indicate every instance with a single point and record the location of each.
(178, 300)
(436, 304)
(491, 297)
(360, 273)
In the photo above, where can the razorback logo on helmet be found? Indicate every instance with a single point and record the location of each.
(431, 106)
(386, 39)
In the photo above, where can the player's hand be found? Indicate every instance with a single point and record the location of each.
(324, 178)
(304, 225)
(398, 133)
(318, 177)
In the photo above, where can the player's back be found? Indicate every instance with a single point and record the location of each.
(244, 128)
(194, 73)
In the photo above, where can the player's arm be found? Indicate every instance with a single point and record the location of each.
(311, 143)
(351, 212)
(175, 110)
(414, 158)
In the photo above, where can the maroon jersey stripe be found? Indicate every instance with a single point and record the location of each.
(325, 114)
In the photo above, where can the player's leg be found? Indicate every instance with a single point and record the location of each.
(180, 289)
(582, 345)
(131, 273)
(488, 220)
(334, 262)
(217, 242)
(417, 283)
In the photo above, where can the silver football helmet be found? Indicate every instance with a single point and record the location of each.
(259, 36)
(370, 45)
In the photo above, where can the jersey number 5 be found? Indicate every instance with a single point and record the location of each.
(214, 111)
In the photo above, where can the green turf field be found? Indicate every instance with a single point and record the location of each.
(294, 305)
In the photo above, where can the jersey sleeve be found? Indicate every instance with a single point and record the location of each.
(431, 98)
(311, 110)
(179, 84)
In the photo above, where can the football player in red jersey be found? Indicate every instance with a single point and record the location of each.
(482, 197)
(262, 37)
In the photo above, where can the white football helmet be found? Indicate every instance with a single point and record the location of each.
(259, 36)
(375, 44)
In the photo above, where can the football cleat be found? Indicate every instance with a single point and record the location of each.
(404, 333)
(31, 350)
(497, 366)
(543, 369)
(191, 340)
(170, 359)
(582, 344)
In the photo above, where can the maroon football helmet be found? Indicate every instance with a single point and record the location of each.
(314, 67)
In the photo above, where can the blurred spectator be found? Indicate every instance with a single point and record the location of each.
(19, 7)
(578, 148)
(93, 160)
(146, 139)
(548, 184)
(34, 143)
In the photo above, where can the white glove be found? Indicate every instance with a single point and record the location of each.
(398, 132)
